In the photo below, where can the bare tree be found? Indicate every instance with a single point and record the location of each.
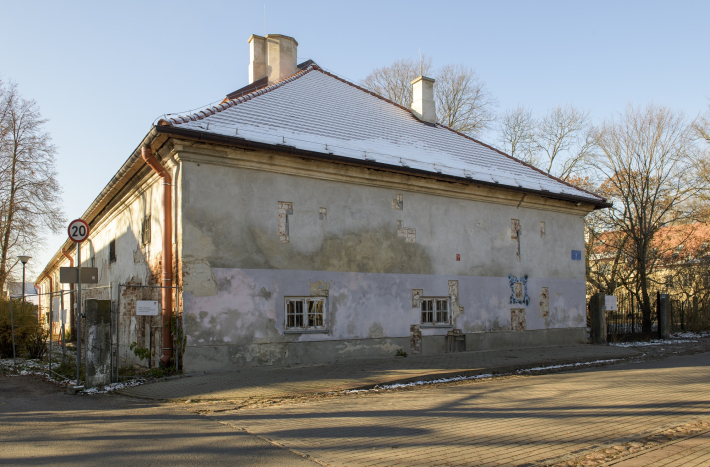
(644, 156)
(395, 81)
(463, 103)
(562, 140)
(517, 134)
(29, 191)
(702, 126)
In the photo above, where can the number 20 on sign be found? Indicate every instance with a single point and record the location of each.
(78, 230)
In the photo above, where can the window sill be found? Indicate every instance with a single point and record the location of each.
(428, 326)
(306, 331)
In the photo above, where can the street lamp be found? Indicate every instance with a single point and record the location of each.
(24, 259)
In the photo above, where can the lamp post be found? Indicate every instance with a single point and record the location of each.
(24, 259)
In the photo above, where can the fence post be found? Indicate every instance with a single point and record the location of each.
(12, 328)
(597, 315)
(664, 316)
(682, 316)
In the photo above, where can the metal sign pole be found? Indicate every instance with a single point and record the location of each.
(51, 321)
(78, 315)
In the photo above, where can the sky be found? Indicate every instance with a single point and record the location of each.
(103, 72)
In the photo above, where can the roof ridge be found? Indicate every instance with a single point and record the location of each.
(232, 102)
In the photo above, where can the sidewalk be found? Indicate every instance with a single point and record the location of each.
(692, 451)
(277, 382)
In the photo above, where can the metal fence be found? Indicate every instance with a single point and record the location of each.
(126, 326)
(626, 322)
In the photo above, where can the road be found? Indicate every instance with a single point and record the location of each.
(41, 426)
(520, 420)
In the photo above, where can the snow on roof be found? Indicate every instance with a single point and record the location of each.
(314, 110)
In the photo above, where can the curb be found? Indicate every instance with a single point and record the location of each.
(495, 371)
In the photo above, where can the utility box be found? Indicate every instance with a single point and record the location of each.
(597, 318)
(98, 343)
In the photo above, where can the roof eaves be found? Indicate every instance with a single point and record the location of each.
(205, 136)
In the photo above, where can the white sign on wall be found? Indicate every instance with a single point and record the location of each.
(147, 308)
(610, 302)
(64, 316)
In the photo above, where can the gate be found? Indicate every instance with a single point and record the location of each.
(626, 322)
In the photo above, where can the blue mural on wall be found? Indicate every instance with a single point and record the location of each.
(518, 290)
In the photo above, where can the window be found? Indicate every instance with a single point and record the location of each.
(305, 314)
(435, 311)
(112, 251)
(145, 231)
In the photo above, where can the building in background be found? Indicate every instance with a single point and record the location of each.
(305, 219)
(14, 289)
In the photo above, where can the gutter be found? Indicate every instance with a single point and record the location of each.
(167, 252)
(236, 141)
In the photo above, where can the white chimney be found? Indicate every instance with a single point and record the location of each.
(281, 57)
(274, 56)
(423, 106)
(257, 58)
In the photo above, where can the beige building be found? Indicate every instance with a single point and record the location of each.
(305, 219)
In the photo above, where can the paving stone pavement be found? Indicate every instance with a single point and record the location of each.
(513, 421)
(275, 382)
(689, 452)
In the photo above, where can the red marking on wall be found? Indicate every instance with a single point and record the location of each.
(458, 257)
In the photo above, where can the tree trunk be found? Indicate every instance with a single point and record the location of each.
(645, 304)
(5, 242)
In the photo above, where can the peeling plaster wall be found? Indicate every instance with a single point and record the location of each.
(377, 247)
(135, 263)
(246, 316)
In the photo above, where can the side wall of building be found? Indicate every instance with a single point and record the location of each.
(259, 227)
(132, 260)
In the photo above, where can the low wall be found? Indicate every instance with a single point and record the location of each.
(232, 357)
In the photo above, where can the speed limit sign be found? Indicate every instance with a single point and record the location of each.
(78, 230)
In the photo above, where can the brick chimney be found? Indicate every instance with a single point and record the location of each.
(273, 56)
(423, 106)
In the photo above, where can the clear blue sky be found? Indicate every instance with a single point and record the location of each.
(103, 71)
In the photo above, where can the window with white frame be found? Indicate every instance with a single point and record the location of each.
(305, 313)
(435, 310)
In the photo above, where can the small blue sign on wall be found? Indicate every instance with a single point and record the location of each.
(576, 255)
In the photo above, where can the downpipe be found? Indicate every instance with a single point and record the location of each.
(167, 253)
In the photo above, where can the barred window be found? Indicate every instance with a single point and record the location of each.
(435, 310)
(145, 231)
(112, 251)
(305, 313)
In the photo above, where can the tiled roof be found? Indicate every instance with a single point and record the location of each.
(316, 111)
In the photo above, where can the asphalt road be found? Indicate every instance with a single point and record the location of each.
(519, 420)
(39, 425)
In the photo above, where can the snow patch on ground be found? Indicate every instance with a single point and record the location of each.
(690, 335)
(653, 342)
(26, 367)
(116, 386)
(474, 377)
(567, 365)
